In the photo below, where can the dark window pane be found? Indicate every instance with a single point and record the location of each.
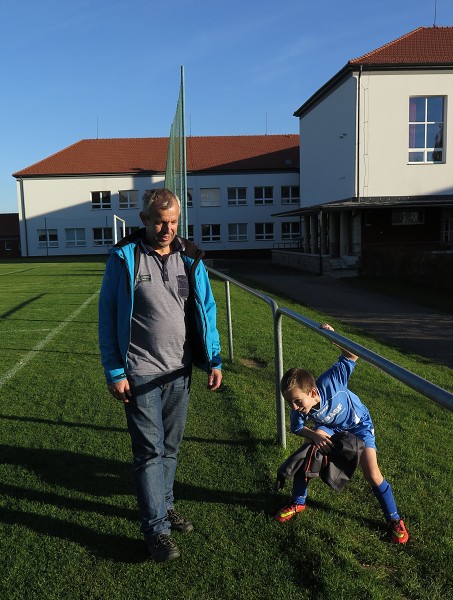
(436, 156)
(416, 156)
(416, 136)
(435, 108)
(434, 139)
(416, 110)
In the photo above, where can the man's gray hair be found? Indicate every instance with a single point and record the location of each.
(162, 196)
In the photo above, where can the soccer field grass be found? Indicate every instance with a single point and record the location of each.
(68, 519)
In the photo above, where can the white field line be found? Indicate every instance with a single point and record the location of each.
(18, 271)
(28, 357)
(23, 330)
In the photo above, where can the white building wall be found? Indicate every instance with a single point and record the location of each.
(59, 203)
(65, 202)
(328, 147)
(384, 134)
(249, 214)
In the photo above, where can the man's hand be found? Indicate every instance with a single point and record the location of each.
(120, 390)
(214, 379)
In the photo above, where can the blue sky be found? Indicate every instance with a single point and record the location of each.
(75, 70)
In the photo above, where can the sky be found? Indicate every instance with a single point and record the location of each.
(111, 68)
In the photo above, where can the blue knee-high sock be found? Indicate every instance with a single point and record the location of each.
(386, 500)
(300, 485)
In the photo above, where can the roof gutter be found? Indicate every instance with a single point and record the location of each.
(338, 77)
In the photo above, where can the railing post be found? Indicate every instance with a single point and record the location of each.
(279, 401)
(229, 321)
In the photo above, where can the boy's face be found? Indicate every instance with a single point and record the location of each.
(301, 401)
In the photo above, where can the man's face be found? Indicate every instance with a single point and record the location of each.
(300, 401)
(161, 226)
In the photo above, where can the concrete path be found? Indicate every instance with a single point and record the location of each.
(412, 328)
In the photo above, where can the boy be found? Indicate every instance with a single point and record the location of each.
(333, 407)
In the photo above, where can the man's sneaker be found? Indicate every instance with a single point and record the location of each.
(178, 522)
(163, 548)
(397, 531)
(287, 512)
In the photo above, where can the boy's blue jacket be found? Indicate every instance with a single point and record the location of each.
(116, 303)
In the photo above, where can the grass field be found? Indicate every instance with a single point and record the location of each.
(68, 520)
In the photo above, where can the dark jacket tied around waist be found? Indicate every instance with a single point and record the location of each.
(335, 468)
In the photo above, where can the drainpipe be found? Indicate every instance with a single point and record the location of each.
(24, 218)
(358, 134)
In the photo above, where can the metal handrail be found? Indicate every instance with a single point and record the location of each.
(415, 382)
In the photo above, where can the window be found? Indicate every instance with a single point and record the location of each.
(237, 196)
(8, 246)
(290, 230)
(210, 233)
(101, 200)
(128, 198)
(209, 197)
(237, 232)
(130, 230)
(426, 129)
(264, 195)
(408, 217)
(189, 198)
(102, 236)
(447, 225)
(75, 237)
(290, 194)
(190, 232)
(264, 231)
(47, 238)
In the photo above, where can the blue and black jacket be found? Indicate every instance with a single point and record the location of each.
(116, 304)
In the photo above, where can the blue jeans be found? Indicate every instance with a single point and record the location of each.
(156, 418)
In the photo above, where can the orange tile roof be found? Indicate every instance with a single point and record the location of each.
(135, 155)
(425, 45)
(422, 48)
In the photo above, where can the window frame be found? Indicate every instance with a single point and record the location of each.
(238, 236)
(290, 235)
(446, 225)
(99, 203)
(129, 229)
(48, 243)
(105, 240)
(211, 237)
(425, 151)
(290, 198)
(206, 201)
(76, 243)
(265, 236)
(132, 199)
(235, 191)
(263, 200)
